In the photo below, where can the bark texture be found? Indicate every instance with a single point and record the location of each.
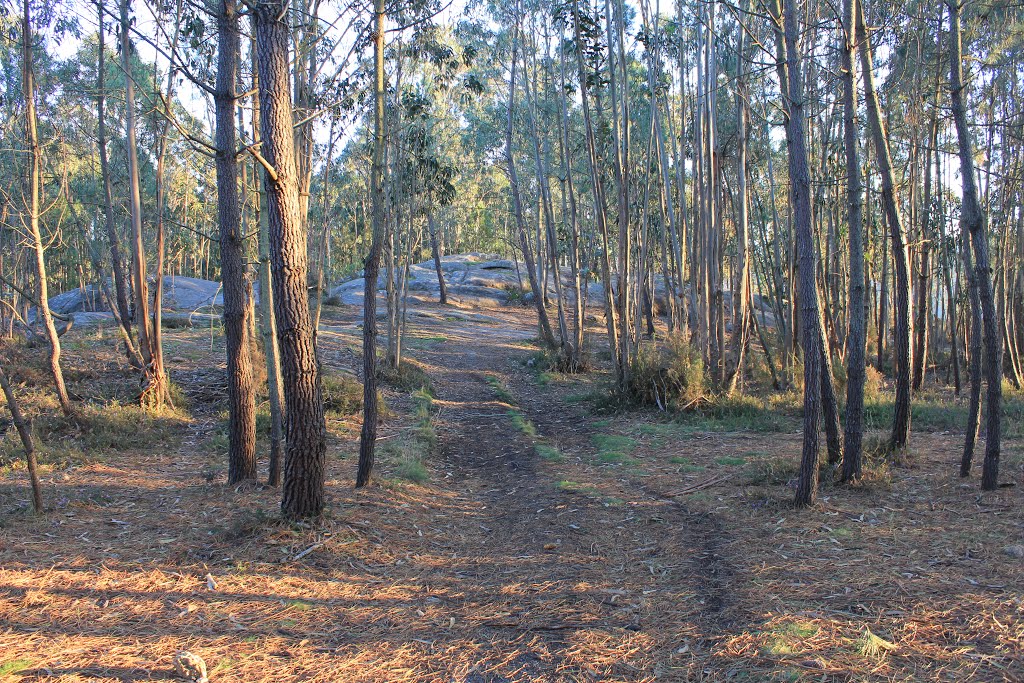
(237, 288)
(972, 221)
(305, 429)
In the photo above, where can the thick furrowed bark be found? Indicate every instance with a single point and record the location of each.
(305, 430)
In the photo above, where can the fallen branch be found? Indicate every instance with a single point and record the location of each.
(699, 485)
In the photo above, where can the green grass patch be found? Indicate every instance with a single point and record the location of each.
(613, 442)
(614, 448)
(615, 457)
(785, 638)
(731, 460)
(771, 471)
(412, 470)
(409, 450)
(938, 411)
(520, 422)
(685, 464)
(13, 666)
(549, 453)
(576, 487)
(426, 342)
(500, 390)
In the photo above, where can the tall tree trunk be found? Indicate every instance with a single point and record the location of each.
(154, 389)
(597, 185)
(237, 288)
(117, 265)
(547, 215)
(972, 221)
(857, 308)
(325, 229)
(901, 269)
(268, 327)
(570, 210)
(810, 317)
(740, 317)
(924, 275)
(368, 435)
(305, 429)
(620, 166)
(435, 251)
(35, 179)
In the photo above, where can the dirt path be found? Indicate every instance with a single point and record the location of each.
(610, 578)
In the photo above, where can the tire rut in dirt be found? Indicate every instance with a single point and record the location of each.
(708, 567)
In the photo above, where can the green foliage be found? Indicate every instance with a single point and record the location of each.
(569, 486)
(669, 377)
(772, 471)
(410, 448)
(412, 469)
(614, 448)
(343, 393)
(408, 376)
(549, 453)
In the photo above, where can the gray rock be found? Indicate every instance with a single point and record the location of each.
(1016, 551)
(189, 293)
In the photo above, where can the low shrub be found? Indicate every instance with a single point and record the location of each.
(343, 394)
(670, 376)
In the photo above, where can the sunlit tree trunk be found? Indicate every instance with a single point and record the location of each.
(517, 205)
(368, 435)
(24, 428)
(117, 262)
(154, 387)
(741, 313)
(305, 429)
(35, 180)
(237, 288)
(268, 326)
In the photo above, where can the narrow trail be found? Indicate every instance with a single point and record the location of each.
(582, 566)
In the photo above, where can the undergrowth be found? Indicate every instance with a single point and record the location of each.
(411, 447)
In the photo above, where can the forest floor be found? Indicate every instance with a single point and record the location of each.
(514, 533)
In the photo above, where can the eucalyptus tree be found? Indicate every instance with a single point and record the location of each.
(119, 306)
(35, 208)
(154, 382)
(368, 433)
(812, 335)
(517, 201)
